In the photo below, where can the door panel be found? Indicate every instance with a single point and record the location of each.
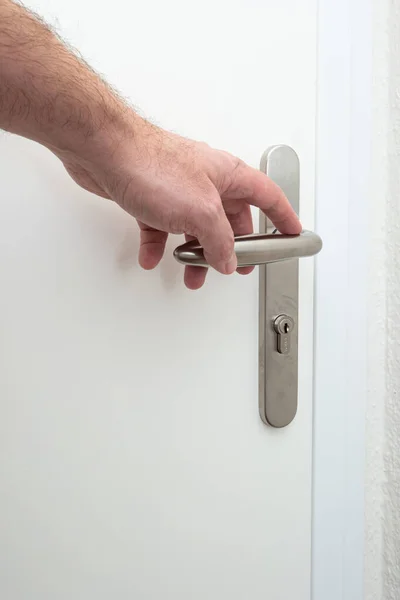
(133, 461)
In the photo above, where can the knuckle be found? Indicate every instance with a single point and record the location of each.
(233, 179)
(202, 147)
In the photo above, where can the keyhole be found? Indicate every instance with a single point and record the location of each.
(286, 327)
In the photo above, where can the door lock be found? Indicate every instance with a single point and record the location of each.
(283, 326)
(276, 254)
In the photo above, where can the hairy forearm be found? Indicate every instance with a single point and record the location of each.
(48, 94)
(169, 184)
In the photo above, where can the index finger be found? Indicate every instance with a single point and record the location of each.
(264, 193)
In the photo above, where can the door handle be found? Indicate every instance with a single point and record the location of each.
(256, 249)
(276, 255)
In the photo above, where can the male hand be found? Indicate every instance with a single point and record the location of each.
(175, 185)
(168, 183)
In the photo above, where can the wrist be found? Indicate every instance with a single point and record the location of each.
(111, 152)
(95, 131)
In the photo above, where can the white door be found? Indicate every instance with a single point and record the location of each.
(134, 463)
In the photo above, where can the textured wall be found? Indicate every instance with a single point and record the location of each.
(382, 560)
(391, 487)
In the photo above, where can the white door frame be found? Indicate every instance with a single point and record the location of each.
(344, 134)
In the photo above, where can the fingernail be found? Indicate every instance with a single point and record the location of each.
(231, 266)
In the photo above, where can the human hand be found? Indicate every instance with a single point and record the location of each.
(170, 184)
(174, 185)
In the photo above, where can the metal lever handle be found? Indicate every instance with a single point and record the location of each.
(256, 249)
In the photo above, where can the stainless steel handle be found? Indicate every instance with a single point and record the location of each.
(278, 291)
(257, 249)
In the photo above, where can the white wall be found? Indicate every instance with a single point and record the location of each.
(382, 485)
